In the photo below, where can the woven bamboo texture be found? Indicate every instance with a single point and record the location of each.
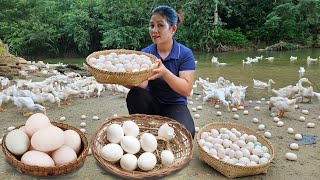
(181, 146)
(230, 170)
(49, 171)
(122, 78)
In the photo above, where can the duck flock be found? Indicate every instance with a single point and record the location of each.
(54, 88)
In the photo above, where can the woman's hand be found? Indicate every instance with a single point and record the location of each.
(161, 71)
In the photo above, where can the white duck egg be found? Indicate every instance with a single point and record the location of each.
(208, 139)
(290, 130)
(243, 137)
(196, 129)
(224, 136)
(291, 156)
(36, 122)
(218, 113)
(234, 147)
(199, 107)
(261, 127)
(276, 119)
(216, 141)
(250, 101)
(204, 135)
(129, 162)
(114, 133)
(201, 142)
(147, 161)
(167, 157)
(226, 143)
(273, 114)
(145, 66)
(95, 118)
(255, 120)
(63, 155)
(130, 128)
(83, 124)
(245, 112)
(111, 152)
(263, 160)
(128, 67)
(258, 102)
(37, 158)
(10, 128)
(267, 155)
(236, 116)
(194, 109)
(62, 118)
(234, 110)
(294, 146)
(257, 108)
(47, 139)
(306, 112)
(130, 144)
(17, 142)
(318, 118)
(244, 160)
(148, 142)
(72, 139)
(83, 130)
(83, 116)
(254, 158)
(264, 149)
(267, 134)
(238, 154)
(166, 131)
(252, 138)
(280, 123)
(258, 152)
(190, 102)
(197, 116)
(209, 144)
(311, 125)
(221, 153)
(245, 152)
(217, 106)
(89, 152)
(205, 149)
(302, 118)
(240, 107)
(241, 143)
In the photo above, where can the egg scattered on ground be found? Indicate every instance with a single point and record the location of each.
(290, 130)
(302, 118)
(311, 125)
(62, 118)
(194, 109)
(197, 129)
(218, 113)
(83, 124)
(267, 134)
(294, 146)
(245, 112)
(10, 128)
(280, 123)
(236, 116)
(197, 116)
(95, 118)
(298, 136)
(83, 116)
(291, 156)
(261, 127)
(190, 102)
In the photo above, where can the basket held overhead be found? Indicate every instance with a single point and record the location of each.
(49, 171)
(105, 74)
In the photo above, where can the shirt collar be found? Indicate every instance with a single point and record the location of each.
(174, 54)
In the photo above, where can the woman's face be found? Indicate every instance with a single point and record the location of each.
(160, 30)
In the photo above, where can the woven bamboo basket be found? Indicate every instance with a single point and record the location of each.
(49, 171)
(230, 170)
(181, 145)
(122, 78)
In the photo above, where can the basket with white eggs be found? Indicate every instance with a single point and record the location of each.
(142, 146)
(120, 66)
(44, 148)
(234, 150)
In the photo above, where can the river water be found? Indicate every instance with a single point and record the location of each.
(283, 71)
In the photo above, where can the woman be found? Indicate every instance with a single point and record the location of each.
(165, 92)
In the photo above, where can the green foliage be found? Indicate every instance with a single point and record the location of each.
(55, 28)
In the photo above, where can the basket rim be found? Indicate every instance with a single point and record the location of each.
(143, 174)
(81, 157)
(123, 51)
(211, 125)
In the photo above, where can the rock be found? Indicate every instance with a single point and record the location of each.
(10, 65)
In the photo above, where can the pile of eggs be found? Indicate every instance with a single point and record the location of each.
(39, 143)
(133, 153)
(114, 62)
(234, 147)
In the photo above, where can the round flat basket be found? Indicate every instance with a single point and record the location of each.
(122, 78)
(49, 171)
(181, 145)
(227, 169)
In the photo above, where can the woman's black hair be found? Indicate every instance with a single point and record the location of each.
(170, 14)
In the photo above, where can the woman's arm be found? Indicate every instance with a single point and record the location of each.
(182, 85)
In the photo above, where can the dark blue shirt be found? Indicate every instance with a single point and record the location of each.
(180, 59)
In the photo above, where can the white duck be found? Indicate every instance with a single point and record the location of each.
(305, 92)
(317, 95)
(3, 98)
(301, 71)
(282, 104)
(292, 58)
(312, 59)
(216, 94)
(260, 84)
(237, 98)
(270, 58)
(27, 103)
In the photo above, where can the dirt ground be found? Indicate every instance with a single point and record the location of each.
(306, 167)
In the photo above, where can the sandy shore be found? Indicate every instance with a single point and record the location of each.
(306, 167)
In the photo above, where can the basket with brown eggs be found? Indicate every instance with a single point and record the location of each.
(234, 150)
(142, 146)
(44, 148)
(120, 66)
